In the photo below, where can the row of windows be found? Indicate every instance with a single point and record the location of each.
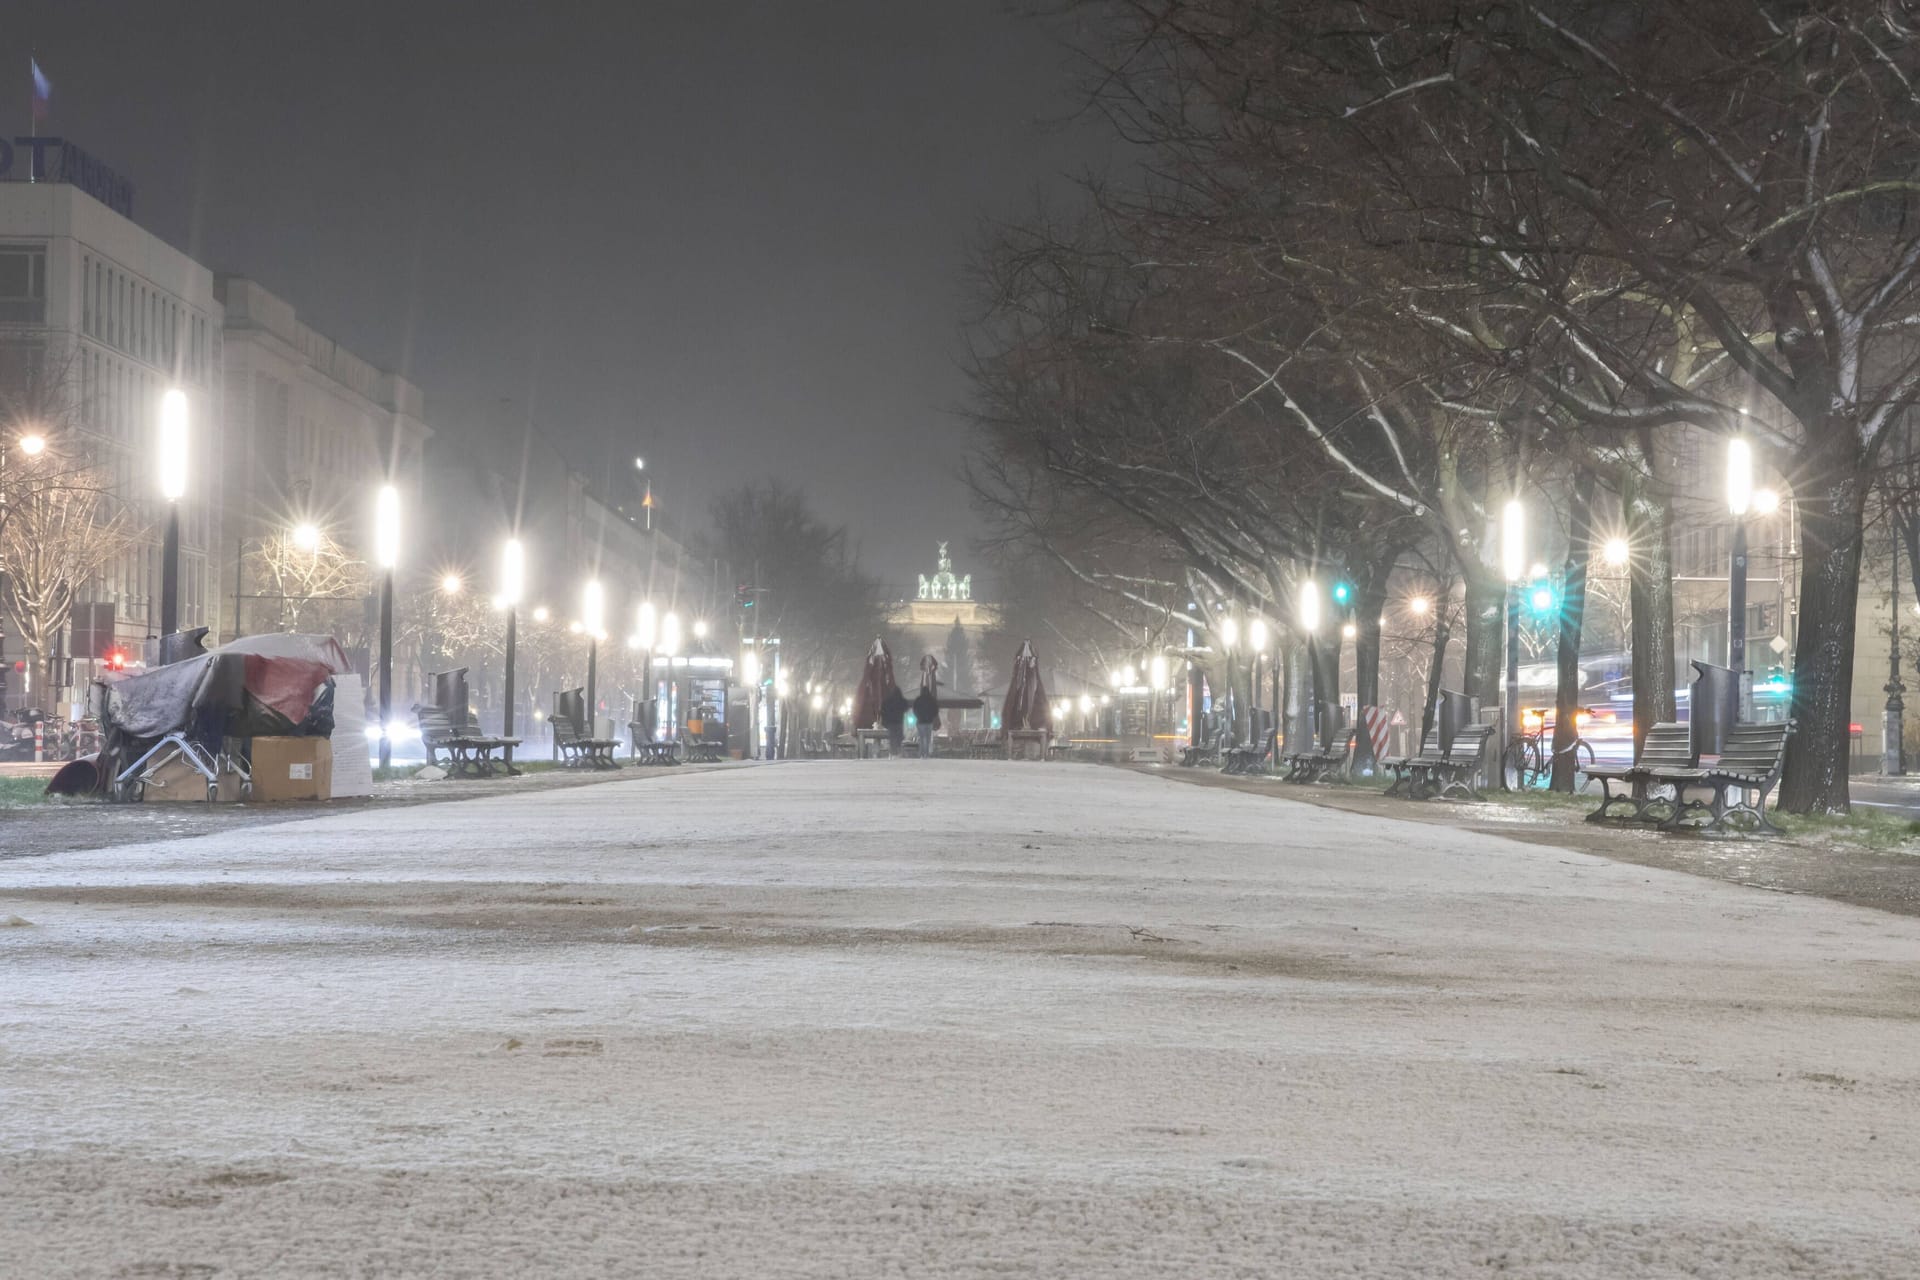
(124, 312)
(23, 284)
(132, 586)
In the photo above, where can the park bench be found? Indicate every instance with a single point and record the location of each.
(1407, 770)
(1748, 768)
(573, 745)
(706, 750)
(1455, 771)
(1251, 757)
(470, 753)
(1667, 746)
(1459, 773)
(1314, 766)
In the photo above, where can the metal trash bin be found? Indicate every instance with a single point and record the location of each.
(1713, 706)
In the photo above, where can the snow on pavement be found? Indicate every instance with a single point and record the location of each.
(940, 1019)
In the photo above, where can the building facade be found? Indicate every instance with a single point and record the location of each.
(98, 319)
(313, 431)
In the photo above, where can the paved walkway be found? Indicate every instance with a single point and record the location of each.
(940, 1019)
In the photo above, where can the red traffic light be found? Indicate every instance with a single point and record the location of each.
(116, 659)
(20, 666)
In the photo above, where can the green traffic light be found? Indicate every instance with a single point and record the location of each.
(1341, 592)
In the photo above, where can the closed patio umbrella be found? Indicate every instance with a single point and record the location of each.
(1026, 706)
(875, 679)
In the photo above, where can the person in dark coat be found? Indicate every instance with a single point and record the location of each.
(893, 716)
(926, 717)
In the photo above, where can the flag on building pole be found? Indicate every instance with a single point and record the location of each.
(42, 90)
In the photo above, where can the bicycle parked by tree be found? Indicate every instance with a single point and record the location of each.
(1527, 762)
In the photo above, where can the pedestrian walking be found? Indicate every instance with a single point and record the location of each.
(893, 717)
(926, 718)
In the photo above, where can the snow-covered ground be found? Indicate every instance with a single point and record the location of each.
(940, 1019)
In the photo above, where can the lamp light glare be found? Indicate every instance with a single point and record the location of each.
(1309, 606)
(1158, 670)
(33, 446)
(1418, 606)
(593, 608)
(1616, 552)
(1257, 634)
(306, 537)
(173, 445)
(700, 629)
(750, 668)
(451, 584)
(1229, 632)
(386, 527)
(1739, 476)
(1349, 630)
(513, 572)
(540, 614)
(670, 635)
(648, 628)
(1766, 501)
(1513, 540)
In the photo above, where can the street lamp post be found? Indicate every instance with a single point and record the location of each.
(1309, 605)
(513, 584)
(1893, 747)
(1739, 500)
(1513, 564)
(593, 618)
(173, 487)
(646, 634)
(670, 649)
(386, 548)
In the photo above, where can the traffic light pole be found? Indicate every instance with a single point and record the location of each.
(1512, 717)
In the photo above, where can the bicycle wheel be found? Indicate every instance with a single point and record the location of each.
(1513, 766)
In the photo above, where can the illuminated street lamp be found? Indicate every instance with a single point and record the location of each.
(1616, 553)
(513, 585)
(306, 537)
(1418, 606)
(33, 445)
(386, 551)
(451, 584)
(1739, 502)
(646, 634)
(1513, 560)
(593, 620)
(1307, 606)
(173, 487)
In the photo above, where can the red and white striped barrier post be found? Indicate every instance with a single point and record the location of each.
(1377, 727)
(39, 741)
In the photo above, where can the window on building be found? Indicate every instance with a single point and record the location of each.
(23, 284)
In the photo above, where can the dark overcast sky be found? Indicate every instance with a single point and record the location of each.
(727, 235)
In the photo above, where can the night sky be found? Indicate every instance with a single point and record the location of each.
(729, 236)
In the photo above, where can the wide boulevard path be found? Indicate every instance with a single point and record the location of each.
(939, 1019)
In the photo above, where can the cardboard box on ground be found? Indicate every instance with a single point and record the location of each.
(292, 769)
(178, 782)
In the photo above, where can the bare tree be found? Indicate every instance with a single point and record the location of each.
(57, 537)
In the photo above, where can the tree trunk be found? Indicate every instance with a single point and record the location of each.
(1486, 624)
(1573, 609)
(1370, 601)
(1831, 520)
(1649, 515)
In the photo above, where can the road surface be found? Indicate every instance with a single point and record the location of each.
(940, 1019)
